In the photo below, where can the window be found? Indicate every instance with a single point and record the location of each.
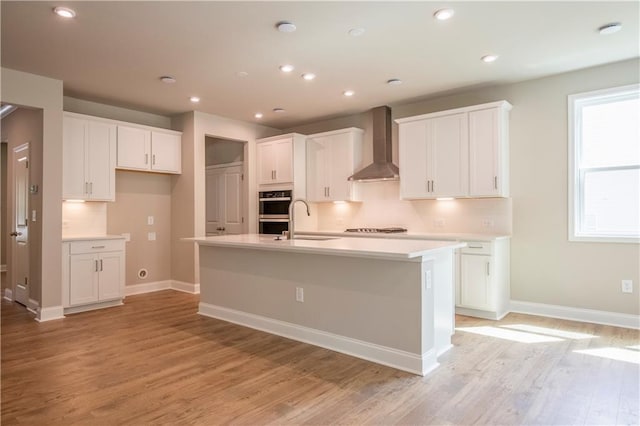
(604, 165)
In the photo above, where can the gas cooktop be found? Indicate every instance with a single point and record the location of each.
(378, 230)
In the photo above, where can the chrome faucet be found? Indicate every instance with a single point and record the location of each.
(291, 217)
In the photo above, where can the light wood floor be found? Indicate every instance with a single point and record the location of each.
(155, 361)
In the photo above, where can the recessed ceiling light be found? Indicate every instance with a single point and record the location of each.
(356, 32)
(348, 93)
(242, 73)
(258, 115)
(286, 68)
(443, 14)
(278, 110)
(489, 58)
(168, 79)
(308, 76)
(194, 99)
(611, 28)
(394, 81)
(285, 27)
(64, 12)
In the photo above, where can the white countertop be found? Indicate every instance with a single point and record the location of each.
(68, 238)
(398, 249)
(410, 235)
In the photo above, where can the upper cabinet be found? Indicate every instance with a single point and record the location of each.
(456, 153)
(280, 161)
(331, 158)
(141, 148)
(89, 158)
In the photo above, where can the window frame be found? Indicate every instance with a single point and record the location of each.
(576, 175)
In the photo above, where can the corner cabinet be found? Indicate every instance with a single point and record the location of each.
(482, 279)
(331, 158)
(456, 153)
(144, 149)
(88, 158)
(93, 274)
(280, 161)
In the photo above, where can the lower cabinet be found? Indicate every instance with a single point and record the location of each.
(93, 274)
(482, 279)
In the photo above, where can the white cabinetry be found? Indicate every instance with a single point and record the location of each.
(224, 189)
(456, 153)
(331, 158)
(141, 148)
(482, 280)
(280, 161)
(89, 158)
(93, 274)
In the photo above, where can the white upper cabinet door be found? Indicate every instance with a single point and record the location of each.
(166, 152)
(448, 159)
(413, 151)
(134, 148)
(486, 150)
(101, 161)
(74, 157)
(318, 159)
(266, 163)
(284, 161)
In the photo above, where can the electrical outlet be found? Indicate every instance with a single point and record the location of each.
(299, 294)
(150, 220)
(487, 223)
(627, 286)
(151, 236)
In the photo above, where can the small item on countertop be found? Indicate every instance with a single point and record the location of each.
(392, 230)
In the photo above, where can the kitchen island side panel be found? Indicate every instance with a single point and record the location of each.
(372, 300)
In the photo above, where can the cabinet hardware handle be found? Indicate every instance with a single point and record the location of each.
(495, 182)
(86, 187)
(153, 159)
(428, 190)
(329, 191)
(96, 266)
(97, 247)
(471, 246)
(146, 159)
(488, 268)
(433, 186)
(275, 174)
(101, 265)
(90, 187)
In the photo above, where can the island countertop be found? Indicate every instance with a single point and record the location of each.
(398, 249)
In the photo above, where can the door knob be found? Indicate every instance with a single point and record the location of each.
(15, 234)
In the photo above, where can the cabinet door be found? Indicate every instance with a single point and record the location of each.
(475, 282)
(283, 153)
(340, 166)
(134, 148)
(233, 200)
(83, 279)
(448, 152)
(318, 157)
(166, 152)
(265, 159)
(74, 155)
(214, 199)
(101, 161)
(111, 275)
(484, 153)
(413, 151)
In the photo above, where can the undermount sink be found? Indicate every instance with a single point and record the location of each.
(314, 238)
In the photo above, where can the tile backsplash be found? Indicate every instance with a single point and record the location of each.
(84, 219)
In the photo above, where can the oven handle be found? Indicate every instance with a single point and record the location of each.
(275, 199)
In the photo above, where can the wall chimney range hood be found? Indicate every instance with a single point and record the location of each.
(382, 168)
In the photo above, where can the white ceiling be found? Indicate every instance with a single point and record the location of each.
(115, 52)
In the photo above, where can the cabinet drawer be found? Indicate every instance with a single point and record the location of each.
(476, 247)
(95, 246)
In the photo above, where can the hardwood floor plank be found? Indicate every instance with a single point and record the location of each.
(156, 361)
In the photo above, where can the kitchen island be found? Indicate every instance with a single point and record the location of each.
(384, 300)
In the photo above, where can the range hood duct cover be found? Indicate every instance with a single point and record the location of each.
(382, 167)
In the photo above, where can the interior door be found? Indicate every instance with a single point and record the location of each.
(213, 195)
(233, 196)
(20, 233)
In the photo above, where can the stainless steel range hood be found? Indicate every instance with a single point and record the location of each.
(382, 168)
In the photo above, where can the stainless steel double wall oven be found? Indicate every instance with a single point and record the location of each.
(273, 216)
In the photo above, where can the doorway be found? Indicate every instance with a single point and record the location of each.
(225, 187)
(20, 222)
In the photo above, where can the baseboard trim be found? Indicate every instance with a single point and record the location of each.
(141, 288)
(93, 306)
(33, 305)
(576, 314)
(192, 288)
(3, 268)
(8, 294)
(50, 314)
(477, 313)
(402, 360)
